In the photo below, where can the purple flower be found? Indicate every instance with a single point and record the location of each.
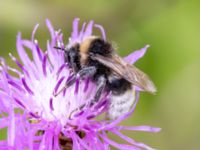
(36, 119)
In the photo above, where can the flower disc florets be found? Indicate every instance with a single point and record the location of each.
(37, 119)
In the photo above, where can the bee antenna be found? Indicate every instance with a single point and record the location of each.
(59, 48)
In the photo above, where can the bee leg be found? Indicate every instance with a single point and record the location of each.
(87, 72)
(101, 83)
(83, 73)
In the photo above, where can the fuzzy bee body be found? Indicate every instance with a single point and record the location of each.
(120, 103)
(97, 59)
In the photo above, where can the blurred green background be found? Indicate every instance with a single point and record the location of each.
(171, 27)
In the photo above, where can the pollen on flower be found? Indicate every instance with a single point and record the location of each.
(45, 120)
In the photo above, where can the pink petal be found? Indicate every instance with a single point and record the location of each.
(22, 53)
(103, 33)
(117, 145)
(24, 56)
(52, 32)
(88, 30)
(35, 52)
(83, 143)
(33, 32)
(11, 128)
(131, 141)
(74, 34)
(140, 128)
(81, 34)
(133, 57)
(4, 146)
(4, 122)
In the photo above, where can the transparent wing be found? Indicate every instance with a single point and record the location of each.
(127, 71)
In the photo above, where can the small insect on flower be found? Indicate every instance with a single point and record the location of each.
(96, 58)
(50, 103)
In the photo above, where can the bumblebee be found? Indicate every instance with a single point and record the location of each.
(97, 59)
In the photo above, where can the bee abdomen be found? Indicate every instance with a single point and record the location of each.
(121, 104)
(118, 85)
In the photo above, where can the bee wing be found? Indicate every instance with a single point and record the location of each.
(127, 71)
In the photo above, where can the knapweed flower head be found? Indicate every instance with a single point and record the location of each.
(37, 119)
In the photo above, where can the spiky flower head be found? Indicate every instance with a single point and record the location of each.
(37, 119)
